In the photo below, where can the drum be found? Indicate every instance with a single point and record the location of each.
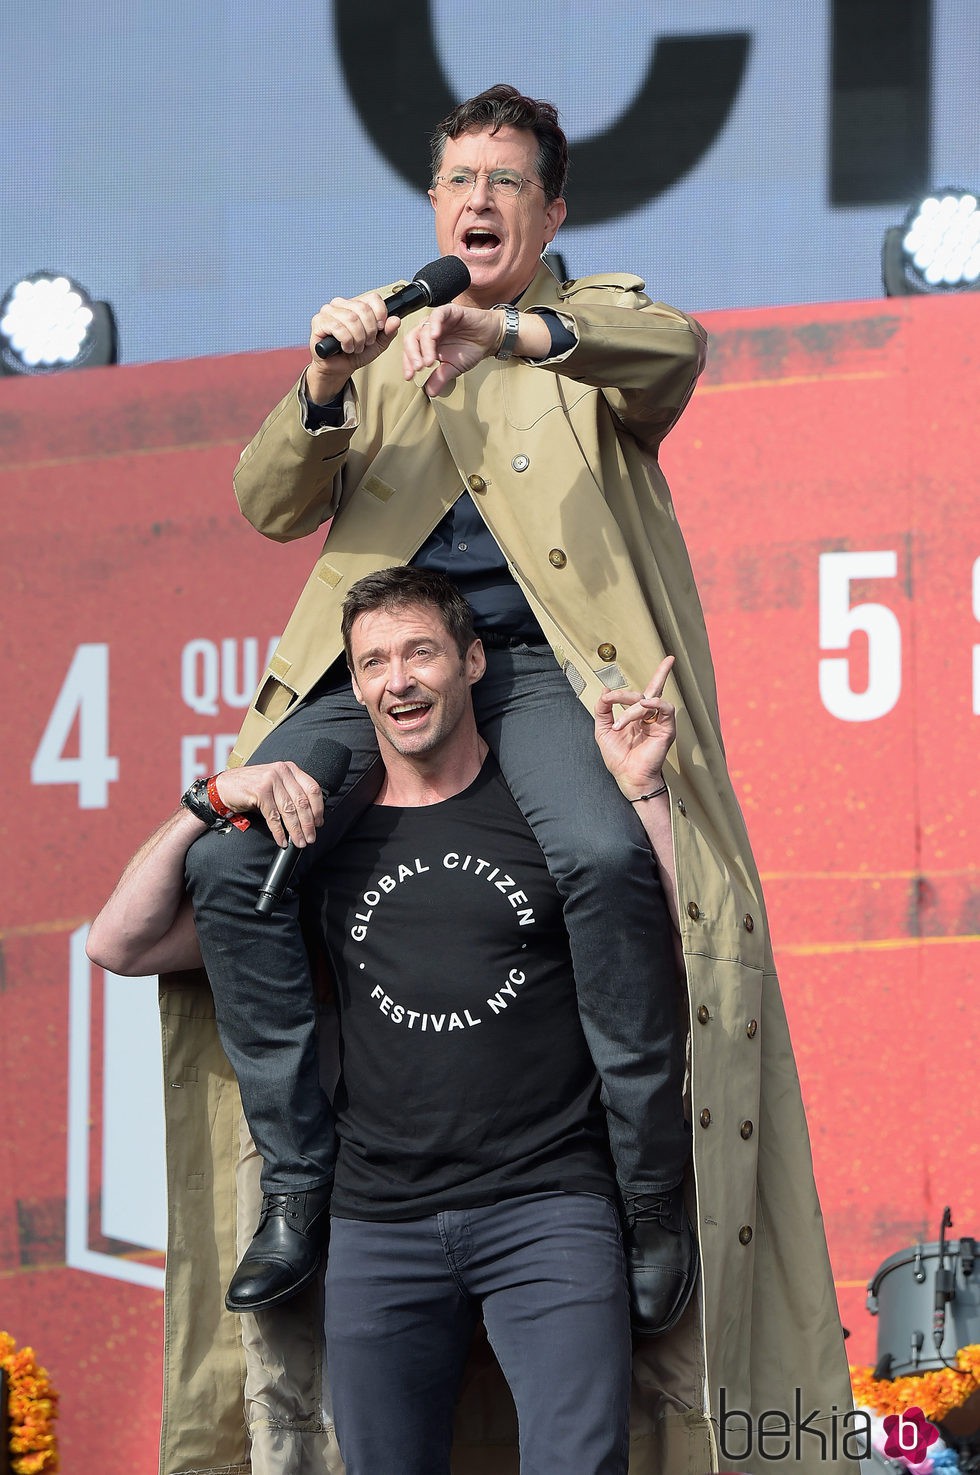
(903, 1297)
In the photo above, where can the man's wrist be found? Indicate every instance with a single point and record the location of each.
(322, 392)
(186, 816)
(510, 328)
(656, 792)
(206, 804)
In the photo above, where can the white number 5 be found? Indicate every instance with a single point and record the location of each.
(839, 619)
(84, 694)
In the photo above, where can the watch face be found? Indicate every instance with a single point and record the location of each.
(197, 801)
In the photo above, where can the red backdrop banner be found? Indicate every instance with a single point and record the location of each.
(825, 476)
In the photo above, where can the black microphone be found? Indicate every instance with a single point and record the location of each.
(327, 762)
(435, 284)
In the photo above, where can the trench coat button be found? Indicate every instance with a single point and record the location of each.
(476, 484)
(557, 558)
(682, 806)
(705, 1118)
(693, 910)
(606, 652)
(748, 923)
(745, 1234)
(751, 1028)
(520, 463)
(703, 1014)
(746, 1128)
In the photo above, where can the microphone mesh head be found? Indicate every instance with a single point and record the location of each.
(443, 279)
(327, 761)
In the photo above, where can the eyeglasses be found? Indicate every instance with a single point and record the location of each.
(506, 182)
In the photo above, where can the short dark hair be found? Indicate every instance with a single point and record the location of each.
(395, 588)
(503, 106)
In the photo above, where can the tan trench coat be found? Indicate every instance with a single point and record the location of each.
(588, 527)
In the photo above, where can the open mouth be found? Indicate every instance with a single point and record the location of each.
(406, 714)
(479, 239)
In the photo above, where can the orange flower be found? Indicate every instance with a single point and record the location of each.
(936, 1393)
(32, 1406)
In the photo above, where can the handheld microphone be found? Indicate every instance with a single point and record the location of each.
(327, 762)
(435, 284)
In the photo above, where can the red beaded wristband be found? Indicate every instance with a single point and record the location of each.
(221, 809)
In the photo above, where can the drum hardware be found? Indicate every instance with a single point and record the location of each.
(945, 1287)
(927, 1299)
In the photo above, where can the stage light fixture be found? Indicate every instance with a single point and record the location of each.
(936, 249)
(48, 324)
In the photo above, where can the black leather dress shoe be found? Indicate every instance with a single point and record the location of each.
(286, 1252)
(661, 1259)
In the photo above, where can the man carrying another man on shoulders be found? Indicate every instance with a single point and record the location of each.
(510, 440)
(473, 1176)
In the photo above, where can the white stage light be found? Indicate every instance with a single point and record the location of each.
(936, 249)
(48, 323)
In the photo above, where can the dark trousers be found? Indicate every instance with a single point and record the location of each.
(402, 1300)
(614, 908)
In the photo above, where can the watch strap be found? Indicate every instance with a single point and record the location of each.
(512, 326)
(197, 801)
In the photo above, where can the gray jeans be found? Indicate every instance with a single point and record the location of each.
(545, 1271)
(614, 908)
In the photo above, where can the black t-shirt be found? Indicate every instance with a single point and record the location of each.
(465, 1074)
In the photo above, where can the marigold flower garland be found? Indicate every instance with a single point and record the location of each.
(936, 1393)
(32, 1406)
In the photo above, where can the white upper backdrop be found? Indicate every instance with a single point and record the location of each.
(205, 170)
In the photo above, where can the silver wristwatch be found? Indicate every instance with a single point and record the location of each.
(512, 326)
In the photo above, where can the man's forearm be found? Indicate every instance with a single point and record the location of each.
(287, 478)
(655, 817)
(646, 361)
(146, 925)
(633, 748)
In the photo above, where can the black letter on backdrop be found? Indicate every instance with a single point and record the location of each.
(683, 104)
(881, 83)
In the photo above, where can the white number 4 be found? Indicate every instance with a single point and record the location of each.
(84, 694)
(839, 619)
